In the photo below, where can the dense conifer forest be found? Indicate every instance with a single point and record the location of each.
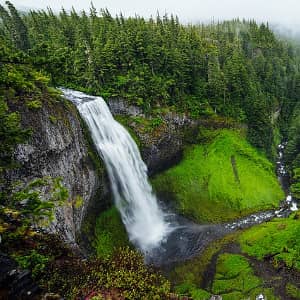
(238, 70)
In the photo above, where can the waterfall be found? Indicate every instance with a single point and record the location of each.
(133, 196)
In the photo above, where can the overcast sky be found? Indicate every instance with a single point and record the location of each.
(285, 12)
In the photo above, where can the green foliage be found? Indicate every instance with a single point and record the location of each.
(292, 152)
(53, 119)
(124, 274)
(34, 104)
(192, 291)
(15, 26)
(78, 201)
(26, 207)
(222, 179)
(293, 291)
(234, 279)
(278, 239)
(295, 187)
(156, 122)
(110, 233)
(11, 134)
(34, 261)
(233, 273)
(238, 69)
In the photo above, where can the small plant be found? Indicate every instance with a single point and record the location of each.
(78, 201)
(53, 119)
(33, 261)
(40, 79)
(27, 207)
(156, 122)
(34, 104)
(293, 291)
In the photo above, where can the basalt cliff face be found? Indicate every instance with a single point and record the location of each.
(161, 146)
(59, 147)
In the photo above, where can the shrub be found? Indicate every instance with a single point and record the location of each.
(34, 104)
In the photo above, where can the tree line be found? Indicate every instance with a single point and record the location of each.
(237, 69)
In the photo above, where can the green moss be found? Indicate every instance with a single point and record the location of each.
(279, 239)
(92, 152)
(199, 294)
(293, 291)
(188, 289)
(233, 296)
(125, 120)
(191, 271)
(53, 119)
(222, 179)
(234, 273)
(235, 280)
(34, 104)
(110, 233)
(34, 261)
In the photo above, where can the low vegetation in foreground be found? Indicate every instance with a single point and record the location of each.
(234, 69)
(221, 179)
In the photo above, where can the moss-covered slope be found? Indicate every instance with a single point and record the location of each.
(278, 239)
(221, 179)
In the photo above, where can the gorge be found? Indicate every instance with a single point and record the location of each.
(166, 189)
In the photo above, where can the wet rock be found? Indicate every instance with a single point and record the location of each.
(14, 282)
(58, 148)
(121, 107)
(163, 146)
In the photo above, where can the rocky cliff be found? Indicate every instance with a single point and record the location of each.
(161, 139)
(59, 147)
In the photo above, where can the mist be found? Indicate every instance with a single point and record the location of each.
(279, 13)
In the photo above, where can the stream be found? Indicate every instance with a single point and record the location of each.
(189, 239)
(165, 238)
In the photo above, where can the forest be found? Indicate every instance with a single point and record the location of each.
(239, 71)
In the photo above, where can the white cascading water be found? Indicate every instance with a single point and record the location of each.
(141, 215)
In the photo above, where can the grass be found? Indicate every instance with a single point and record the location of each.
(279, 239)
(110, 233)
(222, 179)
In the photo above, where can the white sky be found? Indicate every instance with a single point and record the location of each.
(285, 12)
